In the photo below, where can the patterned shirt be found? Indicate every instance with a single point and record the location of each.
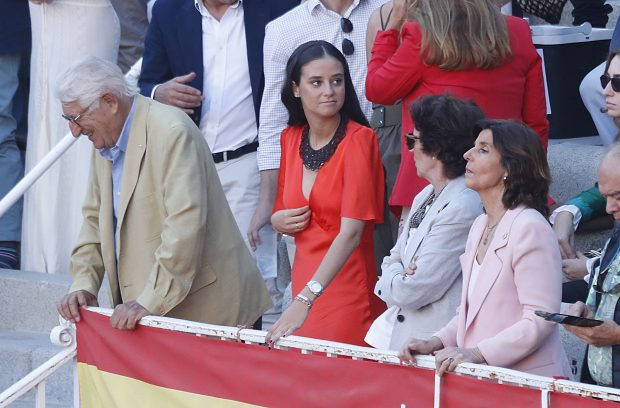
(308, 21)
(600, 358)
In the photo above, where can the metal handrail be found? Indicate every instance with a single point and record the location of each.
(63, 335)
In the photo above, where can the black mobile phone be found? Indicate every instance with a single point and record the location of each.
(567, 319)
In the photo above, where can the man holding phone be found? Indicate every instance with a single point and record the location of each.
(603, 352)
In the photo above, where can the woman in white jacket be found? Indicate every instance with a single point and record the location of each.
(421, 278)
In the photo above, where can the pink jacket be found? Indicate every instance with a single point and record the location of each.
(521, 272)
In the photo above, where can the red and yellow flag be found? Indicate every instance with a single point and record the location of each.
(152, 367)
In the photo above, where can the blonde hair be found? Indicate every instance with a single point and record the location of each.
(461, 34)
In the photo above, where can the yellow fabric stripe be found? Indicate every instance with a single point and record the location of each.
(100, 389)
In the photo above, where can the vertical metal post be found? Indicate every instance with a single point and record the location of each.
(40, 397)
(437, 393)
(76, 385)
(544, 399)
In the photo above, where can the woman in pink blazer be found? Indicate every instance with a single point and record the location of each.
(511, 265)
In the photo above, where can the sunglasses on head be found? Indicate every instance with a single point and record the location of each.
(347, 46)
(615, 82)
(410, 140)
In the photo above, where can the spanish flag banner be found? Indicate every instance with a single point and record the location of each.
(153, 367)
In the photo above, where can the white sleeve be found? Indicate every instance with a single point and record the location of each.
(273, 114)
(573, 209)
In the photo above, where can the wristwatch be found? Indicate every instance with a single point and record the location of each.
(315, 287)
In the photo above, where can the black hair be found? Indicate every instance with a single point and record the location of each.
(524, 159)
(446, 127)
(308, 52)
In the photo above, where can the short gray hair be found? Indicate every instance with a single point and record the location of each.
(88, 78)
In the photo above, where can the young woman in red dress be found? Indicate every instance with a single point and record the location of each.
(330, 193)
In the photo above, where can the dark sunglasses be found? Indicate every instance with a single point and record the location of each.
(410, 140)
(615, 82)
(347, 26)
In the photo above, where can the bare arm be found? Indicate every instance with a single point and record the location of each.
(338, 253)
(266, 199)
(374, 25)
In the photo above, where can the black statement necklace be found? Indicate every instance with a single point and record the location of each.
(315, 159)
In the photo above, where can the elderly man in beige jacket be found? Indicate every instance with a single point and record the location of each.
(155, 216)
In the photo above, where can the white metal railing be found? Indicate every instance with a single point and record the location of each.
(333, 349)
(63, 335)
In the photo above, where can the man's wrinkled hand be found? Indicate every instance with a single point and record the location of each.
(127, 315)
(261, 217)
(174, 92)
(69, 306)
(575, 269)
(607, 334)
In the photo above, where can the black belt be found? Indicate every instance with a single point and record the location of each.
(233, 154)
(384, 115)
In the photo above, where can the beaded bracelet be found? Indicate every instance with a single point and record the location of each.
(305, 300)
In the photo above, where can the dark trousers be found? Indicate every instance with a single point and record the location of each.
(574, 291)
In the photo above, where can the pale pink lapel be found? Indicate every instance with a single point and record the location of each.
(492, 264)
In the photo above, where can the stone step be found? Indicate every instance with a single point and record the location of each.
(20, 353)
(28, 299)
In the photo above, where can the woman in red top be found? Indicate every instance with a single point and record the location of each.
(330, 193)
(462, 47)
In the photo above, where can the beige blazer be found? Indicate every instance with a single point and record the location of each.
(180, 252)
(428, 299)
(521, 273)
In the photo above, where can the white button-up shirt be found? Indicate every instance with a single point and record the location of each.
(308, 21)
(228, 120)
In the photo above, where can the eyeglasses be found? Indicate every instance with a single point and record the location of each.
(598, 285)
(410, 140)
(75, 118)
(347, 26)
(615, 82)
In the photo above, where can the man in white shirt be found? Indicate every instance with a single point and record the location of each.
(205, 57)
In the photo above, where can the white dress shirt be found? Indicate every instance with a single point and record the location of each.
(308, 21)
(228, 120)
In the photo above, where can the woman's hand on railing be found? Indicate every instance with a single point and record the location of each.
(292, 319)
(449, 358)
(417, 346)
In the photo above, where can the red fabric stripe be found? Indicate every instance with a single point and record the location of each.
(247, 373)
(574, 401)
(459, 391)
